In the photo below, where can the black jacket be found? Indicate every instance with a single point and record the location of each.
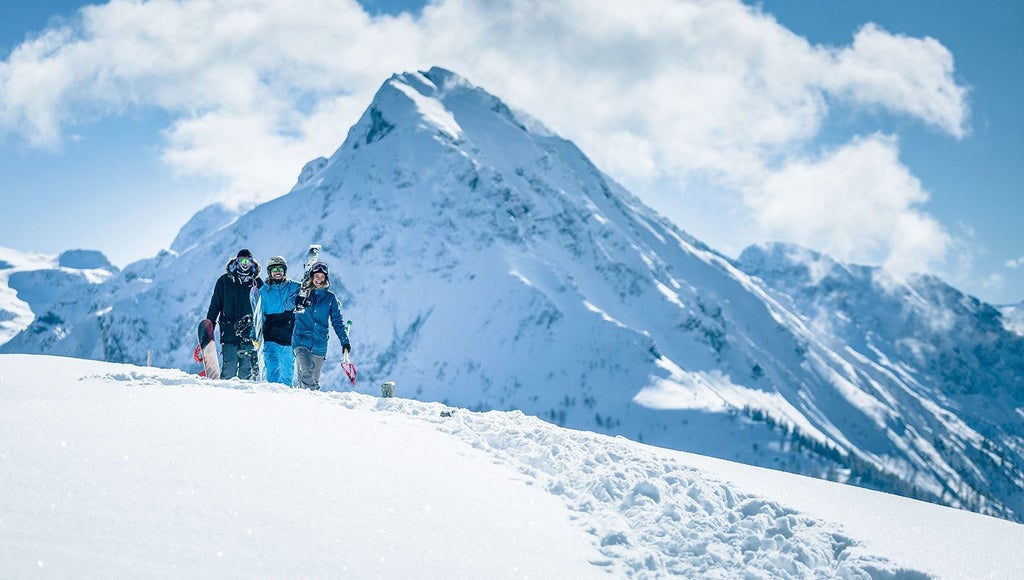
(278, 328)
(230, 303)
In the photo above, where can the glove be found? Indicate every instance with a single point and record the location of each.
(302, 302)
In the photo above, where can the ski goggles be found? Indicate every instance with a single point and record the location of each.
(273, 269)
(245, 262)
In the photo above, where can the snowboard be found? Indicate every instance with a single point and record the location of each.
(247, 347)
(255, 299)
(208, 350)
(312, 256)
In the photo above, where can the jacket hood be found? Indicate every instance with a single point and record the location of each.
(232, 268)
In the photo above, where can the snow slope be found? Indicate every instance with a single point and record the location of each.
(116, 470)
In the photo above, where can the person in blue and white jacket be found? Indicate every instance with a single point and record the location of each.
(309, 339)
(277, 299)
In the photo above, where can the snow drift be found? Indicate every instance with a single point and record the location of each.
(117, 470)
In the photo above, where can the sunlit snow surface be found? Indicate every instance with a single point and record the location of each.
(116, 470)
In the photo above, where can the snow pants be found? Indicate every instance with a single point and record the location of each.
(235, 362)
(279, 361)
(309, 366)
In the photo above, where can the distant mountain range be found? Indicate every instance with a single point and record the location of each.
(30, 283)
(487, 263)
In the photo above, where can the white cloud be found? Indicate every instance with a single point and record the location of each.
(663, 91)
(1016, 263)
(858, 203)
(908, 75)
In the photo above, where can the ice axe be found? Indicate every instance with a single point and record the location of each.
(349, 368)
(346, 365)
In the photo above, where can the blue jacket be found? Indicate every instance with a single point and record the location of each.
(311, 326)
(277, 300)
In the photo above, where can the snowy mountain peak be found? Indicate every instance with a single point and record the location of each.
(410, 102)
(85, 260)
(208, 220)
(803, 265)
(439, 105)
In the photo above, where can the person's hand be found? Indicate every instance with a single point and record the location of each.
(345, 349)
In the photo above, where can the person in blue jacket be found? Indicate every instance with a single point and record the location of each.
(309, 339)
(277, 299)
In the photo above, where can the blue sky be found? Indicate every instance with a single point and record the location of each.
(878, 132)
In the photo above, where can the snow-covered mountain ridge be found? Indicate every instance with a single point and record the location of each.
(1013, 317)
(30, 282)
(488, 264)
(923, 320)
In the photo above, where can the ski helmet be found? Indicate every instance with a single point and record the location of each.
(277, 261)
(319, 267)
(322, 268)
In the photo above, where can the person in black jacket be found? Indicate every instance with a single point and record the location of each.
(230, 304)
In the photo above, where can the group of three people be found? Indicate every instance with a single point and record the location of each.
(290, 338)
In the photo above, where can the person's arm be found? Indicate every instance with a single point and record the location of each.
(338, 322)
(216, 302)
(292, 294)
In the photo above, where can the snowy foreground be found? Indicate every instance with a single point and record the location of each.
(115, 470)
